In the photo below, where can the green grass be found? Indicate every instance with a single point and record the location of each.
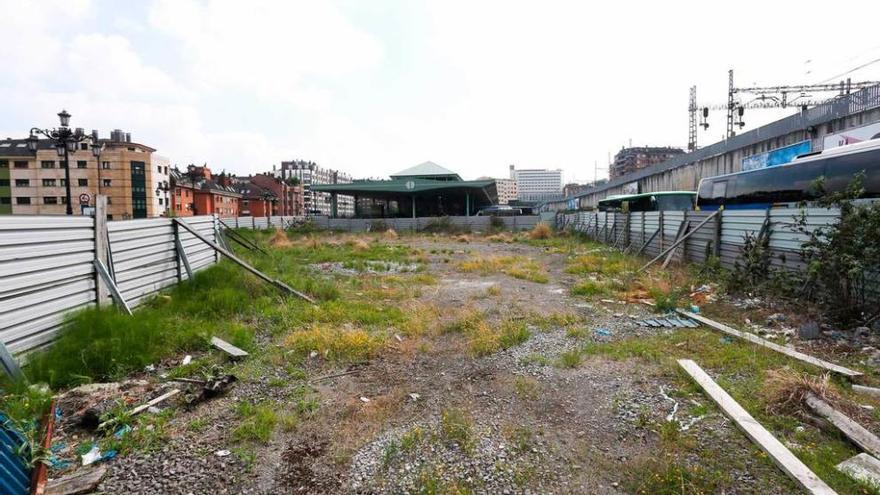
(740, 369)
(105, 344)
(457, 427)
(258, 421)
(570, 359)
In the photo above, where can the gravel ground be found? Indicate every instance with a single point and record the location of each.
(535, 427)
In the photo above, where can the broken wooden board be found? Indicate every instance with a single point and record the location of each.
(834, 368)
(861, 467)
(143, 407)
(791, 465)
(77, 484)
(855, 432)
(872, 391)
(228, 348)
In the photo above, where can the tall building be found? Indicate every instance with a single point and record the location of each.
(506, 189)
(537, 184)
(628, 160)
(288, 193)
(33, 182)
(318, 202)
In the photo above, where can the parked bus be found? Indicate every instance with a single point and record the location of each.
(790, 184)
(500, 211)
(655, 201)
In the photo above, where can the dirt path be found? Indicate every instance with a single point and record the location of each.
(428, 417)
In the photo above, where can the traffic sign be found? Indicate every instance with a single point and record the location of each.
(84, 198)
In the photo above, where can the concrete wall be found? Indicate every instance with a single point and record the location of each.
(684, 172)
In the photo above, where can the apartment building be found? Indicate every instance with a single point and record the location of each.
(536, 184)
(161, 182)
(316, 202)
(506, 189)
(288, 194)
(629, 160)
(33, 182)
(198, 192)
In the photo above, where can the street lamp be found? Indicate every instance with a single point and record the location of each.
(66, 141)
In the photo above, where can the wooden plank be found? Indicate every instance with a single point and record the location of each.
(241, 263)
(791, 465)
(77, 484)
(834, 368)
(863, 468)
(143, 407)
(639, 252)
(679, 241)
(682, 230)
(228, 348)
(102, 271)
(874, 392)
(855, 432)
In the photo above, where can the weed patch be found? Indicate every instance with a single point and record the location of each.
(333, 343)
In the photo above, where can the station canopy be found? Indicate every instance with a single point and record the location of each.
(424, 190)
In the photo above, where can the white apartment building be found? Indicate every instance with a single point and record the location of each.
(536, 184)
(160, 182)
(506, 189)
(314, 202)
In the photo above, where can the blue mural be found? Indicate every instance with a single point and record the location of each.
(778, 156)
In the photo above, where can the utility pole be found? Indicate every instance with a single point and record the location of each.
(731, 103)
(692, 123)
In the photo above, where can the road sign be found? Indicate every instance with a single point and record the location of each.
(84, 198)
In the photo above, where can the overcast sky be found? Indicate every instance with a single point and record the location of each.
(373, 86)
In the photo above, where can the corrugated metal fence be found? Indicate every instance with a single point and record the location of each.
(47, 265)
(722, 236)
(420, 223)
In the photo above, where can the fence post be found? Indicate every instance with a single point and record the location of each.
(642, 239)
(101, 243)
(662, 233)
(626, 234)
(217, 238)
(716, 249)
(177, 251)
(684, 245)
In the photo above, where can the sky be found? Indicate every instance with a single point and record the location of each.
(371, 87)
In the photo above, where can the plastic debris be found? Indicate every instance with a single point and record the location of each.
(695, 309)
(725, 340)
(603, 332)
(58, 463)
(91, 456)
(414, 396)
(186, 360)
(122, 431)
(222, 453)
(365, 400)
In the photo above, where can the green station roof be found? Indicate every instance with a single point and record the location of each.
(403, 187)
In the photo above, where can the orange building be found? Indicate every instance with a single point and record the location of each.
(196, 192)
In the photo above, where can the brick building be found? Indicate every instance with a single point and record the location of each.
(629, 160)
(198, 192)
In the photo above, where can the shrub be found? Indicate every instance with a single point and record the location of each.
(541, 231)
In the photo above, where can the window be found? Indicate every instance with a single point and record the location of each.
(4, 163)
(62, 182)
(22, 183)
(107, 182)
(105, 165)
(160, 201)
(109, 200)
(83, 146)
(109, 217)
(21, 164)
(22, 200)
(47, 164)
(64, 200)
(4, 182)
(50, 200)
(81, 164)
(49, 182)
(82, 182)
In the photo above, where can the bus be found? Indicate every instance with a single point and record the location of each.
(500, 211)
(790, 184)
(655, 201)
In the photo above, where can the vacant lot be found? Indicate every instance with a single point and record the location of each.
(447, 364)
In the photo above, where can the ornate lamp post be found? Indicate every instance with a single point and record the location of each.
(65, 140)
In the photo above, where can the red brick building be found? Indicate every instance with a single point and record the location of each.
(289, 197)
(197, 192)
